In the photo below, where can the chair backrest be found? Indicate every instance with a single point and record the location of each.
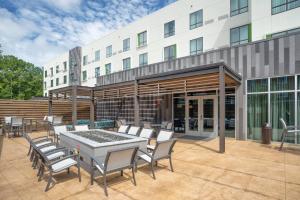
(121, 158)
(123, 121)
(146, 133)
(164, 125)
(283, 123)
(147, 125)
(7, 120)
(134, 130)
(169, 126)
(16, 121)
(81, 128)
(123, 129)
(119, 123)
(50, 119)
(60, 129)
(45, 118)
(163, 149)
(164, 135)
(57, 119)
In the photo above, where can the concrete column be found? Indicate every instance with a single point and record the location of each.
(222, 109)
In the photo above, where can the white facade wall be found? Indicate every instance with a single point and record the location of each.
(215, 32)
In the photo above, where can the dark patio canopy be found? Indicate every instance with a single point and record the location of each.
(215, 76)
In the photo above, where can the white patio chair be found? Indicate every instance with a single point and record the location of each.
(147, 134)
(38, 141)
(123, 129)
(286, 131)
(16, 125)
(58, 130)
(116, 160)
(133, 130)
(162, 136)
(81, 127)
(162, 150)
(169, 126)
(164, 125)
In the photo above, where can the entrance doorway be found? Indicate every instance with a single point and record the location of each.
(201, 116)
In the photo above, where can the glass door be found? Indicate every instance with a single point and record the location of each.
(193, 115)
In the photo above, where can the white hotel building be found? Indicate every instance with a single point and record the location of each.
(186, 28)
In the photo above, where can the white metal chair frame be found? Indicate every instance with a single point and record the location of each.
(286, 131)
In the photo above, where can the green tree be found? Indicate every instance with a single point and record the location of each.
(19, 79)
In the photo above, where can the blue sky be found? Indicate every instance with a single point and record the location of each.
(38, 30)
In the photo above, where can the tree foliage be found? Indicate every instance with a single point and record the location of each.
(19, 79)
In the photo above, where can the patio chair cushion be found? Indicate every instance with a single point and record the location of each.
(145, 157)
(55, 155)
(46, 149)
(43, 143)
(64, 164)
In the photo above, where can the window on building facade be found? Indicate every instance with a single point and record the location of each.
(57, 69)
(126, 44)
(57, 81)
(169, 29)
(170, 52)
(142, 39)
(85, 60)
(283, 33)
(196, 19)
(126, 63)
(51, 71)
(196, 46)
(45, 85)
(279, 6)
(84, 76)
(97, 55)
(97, 72)
(52, 83)
(46, 74)
(240, 35)
(65, 66)
(143, 59)
(108, 51)
(108, 68)
(238, 7)
(65, 79)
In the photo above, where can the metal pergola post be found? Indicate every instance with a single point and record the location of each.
(222, 109)
(74, 105)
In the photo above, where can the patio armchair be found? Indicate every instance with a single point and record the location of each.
(162, 136)
(81, 127)
(133, 130)
(147, 134)
(164, 125)
(58, 130)
(286, 131)
(17, 125)
(169, 126)
(7, 124)
(38, 141)
(116, 160)
(162, 150)
(123, 129)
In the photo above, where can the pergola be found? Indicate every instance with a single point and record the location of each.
(215, 76)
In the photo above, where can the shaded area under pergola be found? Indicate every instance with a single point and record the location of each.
(201, 78)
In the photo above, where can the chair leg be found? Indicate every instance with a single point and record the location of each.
(68, 170)
(121, 172)
(152, 169)
(171, 164)
(282, 140)
(49, 182)
(41, 173)
(133, 175)
(104, 184)
(29, 150)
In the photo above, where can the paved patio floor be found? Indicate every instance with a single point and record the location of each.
(248, 170)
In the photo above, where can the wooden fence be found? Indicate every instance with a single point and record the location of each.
(39, 108)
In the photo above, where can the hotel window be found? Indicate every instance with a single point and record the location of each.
(57, 69)
(196, 46)
(65, 66)
(51, 83)
(283, 33)
(279, 6)
(196, 19)
(170, 52)
(239, 35)
(97, 55)
(142, 39)
(97, 72)
(57, 81)
(169, 29)
(238, 7)
(51, 70)
(108, 68)
(46, 74)
(143, 59)
(126, 44)
(85, 60)
(65, 79)
(108, 51)
(45, 85)
(84, 76)
(126, 63)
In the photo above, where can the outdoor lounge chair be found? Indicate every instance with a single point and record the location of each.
(162, 136)
(147, 134)
(81, 127)
(134, 130)
(286, 131)
(116, 160)
(162, 150)
(123, 129)
(58, 130)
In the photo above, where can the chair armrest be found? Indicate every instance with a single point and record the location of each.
(56, 150)
(42, 137)
(64, 158)
(145, 153)
(43, 140)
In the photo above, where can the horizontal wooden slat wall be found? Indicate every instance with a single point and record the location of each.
(39, 108)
